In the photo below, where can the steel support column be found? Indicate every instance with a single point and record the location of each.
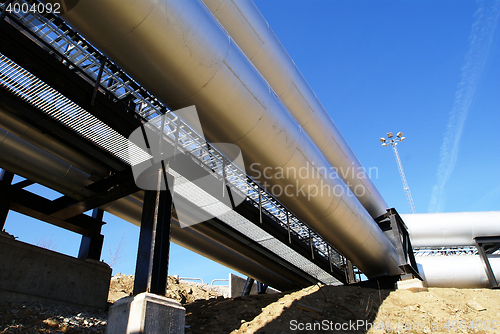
(154, 242)
(91, 246)
(261, 288)
(485, 246)
(395, 229)
(98, 80)
(248, 287)
(5, 177)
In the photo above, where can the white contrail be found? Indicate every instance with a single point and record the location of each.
(483, 30)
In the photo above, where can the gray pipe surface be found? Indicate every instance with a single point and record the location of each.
(43, 141)
(451, 229)
(180, 53)
(250, 30)
(23, 158)
(456, 271)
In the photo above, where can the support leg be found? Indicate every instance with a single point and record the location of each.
(261, 288)
(248, 287)
(154, 243)
(148, 311)
(98, 80)
(481, 243)
(5, 206)
(91, 246)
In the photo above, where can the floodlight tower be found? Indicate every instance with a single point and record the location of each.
(394, 142)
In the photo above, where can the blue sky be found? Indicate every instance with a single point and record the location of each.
(430, 69)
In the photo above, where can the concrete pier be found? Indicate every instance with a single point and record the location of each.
(146, 313)
(32, 274)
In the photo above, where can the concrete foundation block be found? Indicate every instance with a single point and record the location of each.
(32, 274)
(146, 313)
(410, 283)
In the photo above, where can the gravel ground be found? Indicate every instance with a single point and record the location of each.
(37, 318)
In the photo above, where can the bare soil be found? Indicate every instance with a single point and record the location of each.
(316, 309)
(351, 309)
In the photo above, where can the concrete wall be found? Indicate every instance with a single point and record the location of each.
(32, 274)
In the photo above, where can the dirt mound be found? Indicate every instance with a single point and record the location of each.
(350, 309)
(184, 292)
(284, 312)
(316, 309)
(440, 310)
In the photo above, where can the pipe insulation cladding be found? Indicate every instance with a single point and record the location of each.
(457, 271)
(250, 30)
(451, 229)
(29, 161)
(180, 53)
(35, 137)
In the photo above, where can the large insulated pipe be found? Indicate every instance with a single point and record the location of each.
(23, 158)
(27, 160)
(41, 140)
(250, 30)
(451, 229)
(180, 53)
(457, 271)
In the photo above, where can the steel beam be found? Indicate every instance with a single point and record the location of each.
(34, 117)
(261, 288)
(38, 207)
(247, 287)
(392, 224)
(107, 190)
(23, 184)
(91, 246)
(98, 80)
(6, 178)
(488, 245)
